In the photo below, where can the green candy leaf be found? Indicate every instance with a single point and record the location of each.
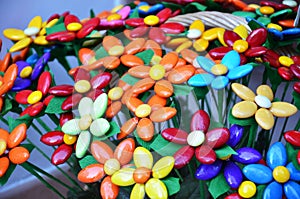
(113, 130)
(194, 7)
(29, 147)
(225, 151)
(280, 13)
(296, 97)
(58, 27)
(172, 185)
(241, 122)
(1, 73)
(54, 107)
(86, 161)
(92, 13)
(146, 56)
(12, 123)
(218, 186)
(130, 79)
(8, 173)
(135, 13)
(182, 89)
(253, 24)
(164, 147)
(200, 92)
(7, 106)
(100, 53)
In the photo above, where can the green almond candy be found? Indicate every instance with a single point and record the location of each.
(99, 127)
(281, 12)
(71, 127)
(264, 20)
(100, 106)
(244, 14)
(85, 106)
(83, 143)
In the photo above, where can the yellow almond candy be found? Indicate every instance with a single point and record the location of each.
(157, 72)
(14, 34)
(283, 109)
(244, 109)
(220, 35)
(286, 61)
(197, 24)
(156, 189)
(281, 174)
(138, 191)
(211, 34)
(36, 22)
(240, 46)
(26, 72)
(41, 40)
(163, 167)
(255, 6)
(174, 43)
(183, 46)
(123, 177)
(111, 166)
(21, 44)
(219, 69)
(82, 86)
(34, 97)
(266, 10)
(70, 139)
(113, 17)
(247, 189)
(48, 25)
(116, 51)
(142, 158)
(266, 91)
(115, 93)
(143, 110)
(243, 91)
(2, 146)
(75, 26)
(274, 26)
(144, 8)
(85, 122)
(200, 45)
(151, 20)
(241, 30)
(155, 60)
(264, 118)
(117, 8)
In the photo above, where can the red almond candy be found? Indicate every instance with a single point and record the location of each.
(135, 22)
(48, 99)
(93, 94)
(217, 137)
(44, 82)
(297, 87)
(296, 59)
(219, 52)
(256, 51)
(243, 59)
(205, 154)
(276, 6)
(285, 73)
(176, 12)
(25, 111)
(293, 137)
(298, 157)
(61, 154)
(91, 173)
(272, 57)
(145, 129)
(61, 90)
(172, 28)
(139, 31)
(108, 190)
(53, 36)
(101, 80)
(64, 117)
(257, 37)
(53, 138)
(175, 135)
(233, 196)
(21, 97)
(164, 15)
(230, 37)
(88, 27)
(157, 35)
(295, 69)
(183, 156)
(200, 121)
(71, 102)
(36, 109)
(124, 151)
(66, 36)
(71, 19)
(17, 136)
(54, 16)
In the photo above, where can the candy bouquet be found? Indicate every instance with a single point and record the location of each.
(178, 99)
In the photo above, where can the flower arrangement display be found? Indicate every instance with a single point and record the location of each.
(162, 103)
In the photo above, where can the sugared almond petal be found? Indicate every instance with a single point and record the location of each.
(243, 91)
(163, 114)
(101, 151)
(264, 118)
(283, 109)
(244, 109)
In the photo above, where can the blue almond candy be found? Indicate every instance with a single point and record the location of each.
(205, 63)
(258, 173)
(200, 80)
(231, 60)
(40, 65)
(233, 174)
(236, 134)
(239, 71)
(246, 155)
(276, 34)
(291, 189)
(21, 84)
(273, 190)
(208, 171)
(219, 82)
(291, 33)
(276, 155)
(32, 59)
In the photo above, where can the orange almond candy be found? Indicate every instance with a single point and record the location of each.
(126, 32)
(239, 4)
(113, 109)
(200, 71)
(108, 190)
(181, 74)
(4, 164)
(143, 85)
(104, 14)
(4, 134)
(163, 114)
(163, 88)
(18, 155)
(145, 129)
(180, 62)
(5, 62)
(1, 104)
(156, 101)
(132, 103)
(85, 54)
(16, 58)
(72, 71)
(111, 41)
(189, 55)
(174, 43)
(139, 71)
(124, 151)
(111, 62)
(123, 85)
(153, 45)
(141, 175)
(128, 127)
(101, 151)
(11, 73)
(24, 53)
(126, 95)
(91, 173)
(287, 23)
(6, 87)
(169, 60)
(131, 60)
(17, 136)
(134, 46)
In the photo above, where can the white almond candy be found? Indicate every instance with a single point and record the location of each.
(100, 106)
(194, 34)
(262, 101)
(85, 106)
(99, 127)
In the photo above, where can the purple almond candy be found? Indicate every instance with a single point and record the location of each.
(236, 133)
(40, 65)
(21, 84)
(32, 59)
(246, 155)
(208, 171)
(233, 174)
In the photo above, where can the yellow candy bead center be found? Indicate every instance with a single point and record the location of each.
(82, 86)
(75, 26)
(111, 166)
(266, 10)
(286, 61)
(1, 83)
(85, 122)
(226, 157)
(26, 72)
(143, 110)
(157, 72)
(114, 16)
(2, 146)
(151, 20)
(70, 139)
(115, 93)
(34, 97)
(281, 174)
(144, 8)
(247, 189)
(240, 46)
(219, 69)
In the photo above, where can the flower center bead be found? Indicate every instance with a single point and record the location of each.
(151, 20)
(262, 101)
(141, 175)
(247, 189)
(157, 72)
(281, 174)
(34, 97)
(143, 110)
(31, 31)
(85, 122)
(2, 146)
(113, 17)
(225, 157)
(240, 46)
(111, 166)
(70, 139)
(82, 86)
(115, 93)
(26, 72)
(195, 138)
(1, 83)
(219, 69)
